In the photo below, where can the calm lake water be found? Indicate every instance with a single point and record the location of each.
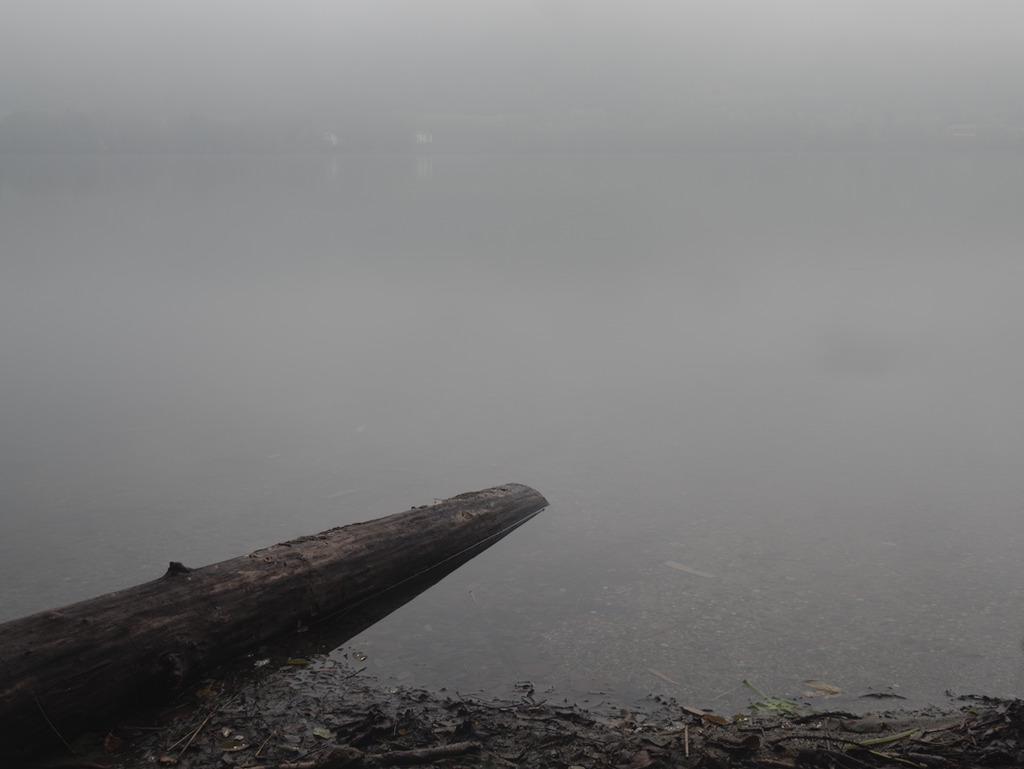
(798, 377)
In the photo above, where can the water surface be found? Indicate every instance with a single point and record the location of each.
(796, 376)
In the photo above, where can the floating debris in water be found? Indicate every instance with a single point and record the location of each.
(821, 689)
(688, 570)
(662, 676)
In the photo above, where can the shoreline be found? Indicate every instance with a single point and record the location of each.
(319, 713)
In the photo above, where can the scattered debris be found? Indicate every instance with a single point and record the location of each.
(320, 716)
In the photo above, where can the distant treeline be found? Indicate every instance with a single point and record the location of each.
(37, 132)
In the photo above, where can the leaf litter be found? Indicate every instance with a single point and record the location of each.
(321, 716)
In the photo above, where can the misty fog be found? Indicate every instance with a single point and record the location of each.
(650, 75)
(734, 285)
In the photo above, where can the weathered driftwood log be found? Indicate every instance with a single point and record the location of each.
(62, 670)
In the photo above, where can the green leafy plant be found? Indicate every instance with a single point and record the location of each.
(770, 704)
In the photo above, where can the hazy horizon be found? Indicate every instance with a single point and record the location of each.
(327, 60)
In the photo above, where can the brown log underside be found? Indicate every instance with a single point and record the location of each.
(143, 643)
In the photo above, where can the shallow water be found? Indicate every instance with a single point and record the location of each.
(796, 376)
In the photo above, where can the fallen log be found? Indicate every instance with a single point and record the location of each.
(64, 670)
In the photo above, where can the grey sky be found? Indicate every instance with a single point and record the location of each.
(237, 56)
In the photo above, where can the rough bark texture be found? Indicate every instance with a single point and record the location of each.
(61, 669)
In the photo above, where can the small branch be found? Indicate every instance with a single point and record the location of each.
(49, 723)
(425, 755)
(191, 736)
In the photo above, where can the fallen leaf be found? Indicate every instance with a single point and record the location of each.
(641, 760)
(235, 743)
